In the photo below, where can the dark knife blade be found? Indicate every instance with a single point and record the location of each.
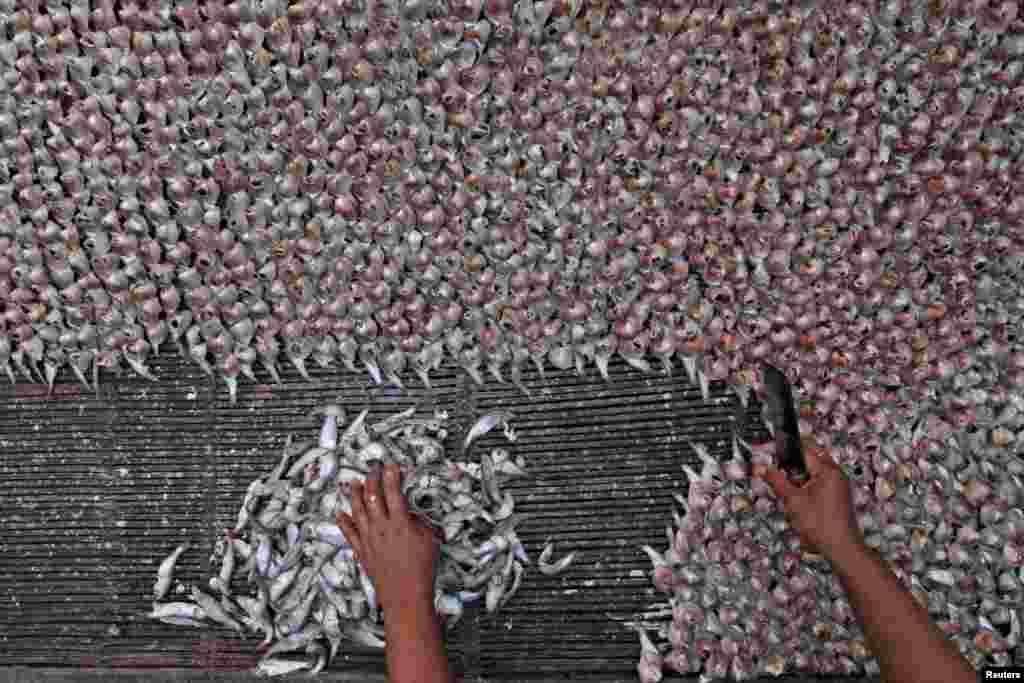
(782, 413)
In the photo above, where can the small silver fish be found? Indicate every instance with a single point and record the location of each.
(392, 422)
(292, 621)
(295, 641)
(222, 582)
(494, 564)
(177, 610)
(368, 590)
(300, 589)
(254, 490)
(355, 429)
(496, 585)
(495, 590)
(261, 558)
(326, 471)
(507, 506)
(448, 605)
(256, 609)
(165, 571)
(183, 621)
(329, 533)
(214, 611)
(329, 429)
(551, 568)
(488, 480)
(309, 457)
(243, 550)
(271, 666)
(320, 653)
(485, 424)
(362, 634)
(517, 580)
(495, 544)
(283, 582)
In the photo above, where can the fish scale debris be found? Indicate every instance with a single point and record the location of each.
(288, 573)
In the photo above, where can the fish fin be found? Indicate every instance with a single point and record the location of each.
(247, 371)
(300, 365)
(496, 373)
(272, 370)
(374, 372)
(51, 373)
(141, 369)
(638, 363)
(232, 383)
(475, 374)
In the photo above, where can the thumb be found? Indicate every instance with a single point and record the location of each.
(818, 461)
(780, 485)
(812, 457)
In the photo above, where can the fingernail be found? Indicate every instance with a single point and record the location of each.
(392, 471)
(759, 471)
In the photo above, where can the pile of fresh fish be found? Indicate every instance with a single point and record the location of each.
(303, 589)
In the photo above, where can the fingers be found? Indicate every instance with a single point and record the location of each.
(348, 527)
(814, 465)
(393, 497)
(819, 462)
(359, 515)
(375, 505)
(779, 483)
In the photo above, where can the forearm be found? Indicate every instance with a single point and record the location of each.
(415, 650)
(908, 646)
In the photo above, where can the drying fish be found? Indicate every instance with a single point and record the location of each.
(496, 585)
(222, 582)
(165, 571)
(650, 664)
(178, 613)
(304, 591)
(281, 667)
(864, 237)
(393, 422)
(488, 422)
(329, 430)
(257, 616)
(213, 609)
(549, 568)
(363, 635)
(295, 641)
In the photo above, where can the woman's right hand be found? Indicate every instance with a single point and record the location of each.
(821, 510)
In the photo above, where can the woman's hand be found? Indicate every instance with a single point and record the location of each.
(821, 510)
(397, 551)
(908, 646)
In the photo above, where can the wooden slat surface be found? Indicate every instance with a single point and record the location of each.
(95, 490)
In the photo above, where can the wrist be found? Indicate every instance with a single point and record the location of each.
(412, 599)
(411, 619)
(844, 550)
